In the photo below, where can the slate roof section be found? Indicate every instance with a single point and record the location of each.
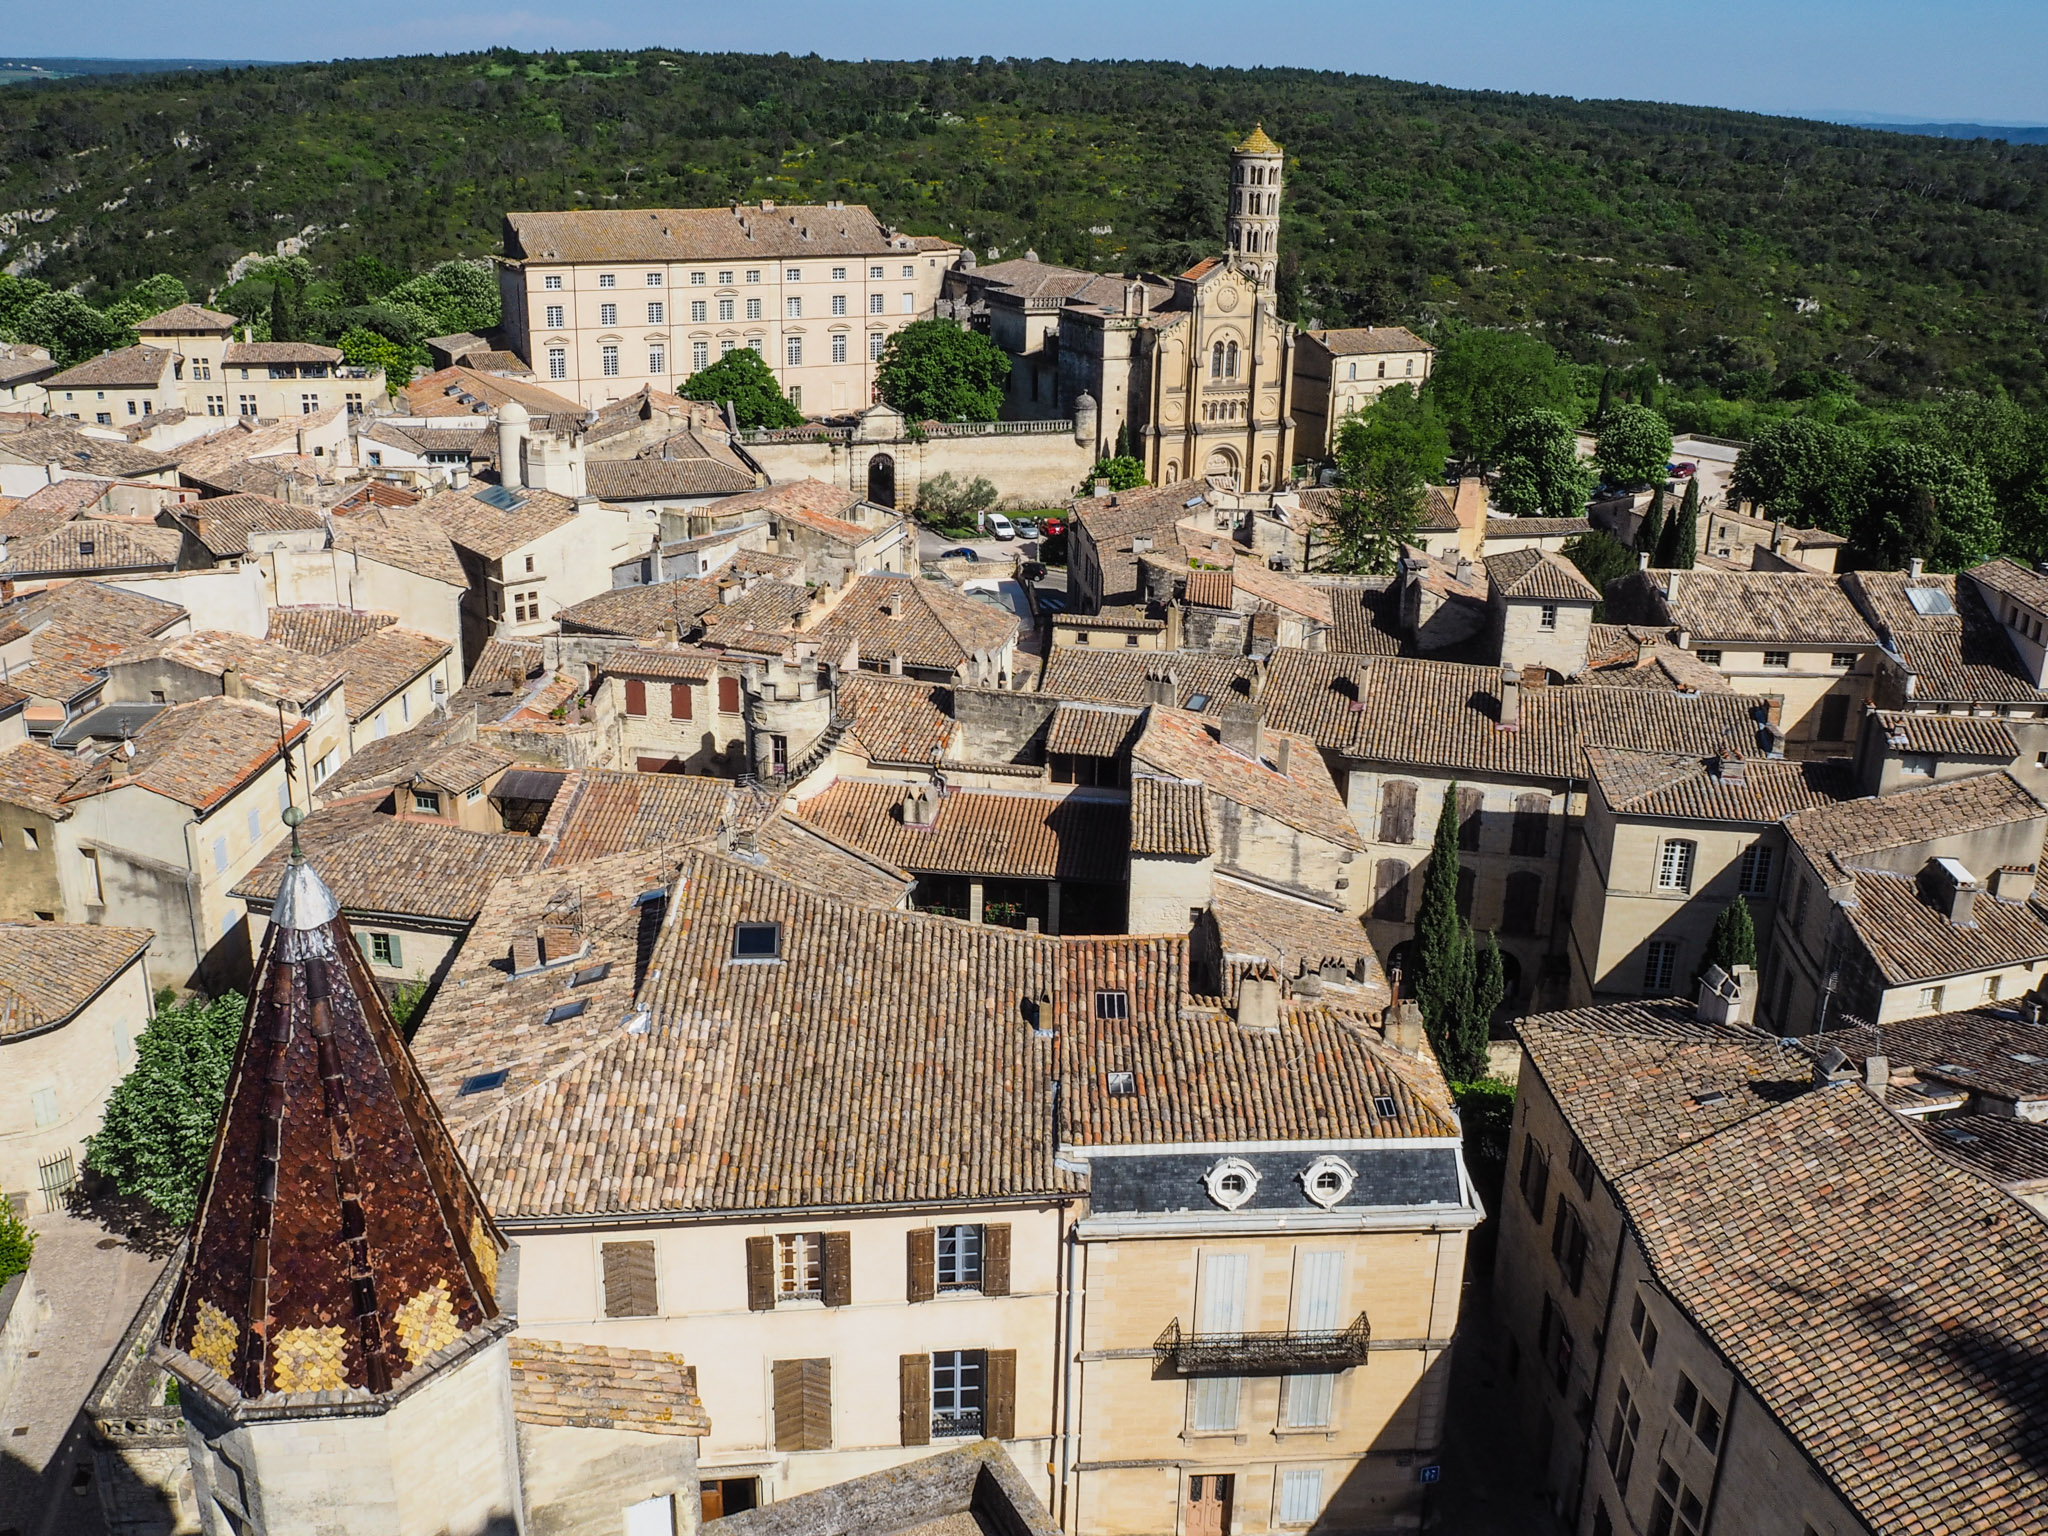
(491, 532)
(223, 523)
(197, 754)
(933, 628)
(1170, 817)
(598, 1386)
(1536, 575)
(323, 631)
(1685, 788)
(1014, 836)
(378, 866)
(1899, 1339)
(741, 232)
(1947, 735)
(1833, 837)
(401, 538)
(137, 367)
(49, 971)
(35, 777)
(1183, 746)
(1963, 657)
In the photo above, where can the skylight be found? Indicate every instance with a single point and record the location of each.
(483, 1082)
(1385, 1106)
(1930, 602)
(1123, 1085)
(1709, 1100)
(590, 973)
(756, 941)
(563, 1011)
(503, 497)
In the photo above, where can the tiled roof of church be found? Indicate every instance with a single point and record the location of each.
(1256, 143)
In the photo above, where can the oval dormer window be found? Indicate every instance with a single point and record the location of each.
(1232, 1182)
(1327, 1180)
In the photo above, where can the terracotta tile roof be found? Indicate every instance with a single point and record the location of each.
(491, 532)
(1897, 1340)
(376, 493)
(1183, 746)
(1022, 836)
(400, 538)
(1364, 617)
(1683, 787)
(601, 812)
(1653, 665)
(652, 479)
(1910, 940)
(381, 763)
(1153, 509)
(744, 232)
(1094, 730)
(138, 367)
(1118, 677)
(1209, 589)
(1947, 735)
(767, 607)
(381, 663)
(463, 766)
(932, 627)
(811, 502)
(1360, 340)
(1987, 1051)
(186, 319)
(243, 354)
(196, 754)
(48, 971)
(2011, 1153)
(1961, 657)
(1536, 528)
(1275, 588)
(378, 866)
(35, 777)
(671, 662)
(1255, 925)
(52, 506)
(439, 394)
(1121, 616)
(596, 1386)
(87, 545)
(79, 454)
(1536, 575)
(322, 631)
(1753, 607)
(479, 441)
(896, 720)
(1834, 837)
(269, 671)
(806, 855)
(223, 523)
(1170, 816)
(2013, 580)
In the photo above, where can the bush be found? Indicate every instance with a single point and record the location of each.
(945, 498)
(17, 1244)
(1123, 473)
(158, 1131)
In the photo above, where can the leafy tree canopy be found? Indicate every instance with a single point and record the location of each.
(1483, 380)
(17, 1244)
(1601, 558)
(1541, 473)
(743, 378)
(1123, 473)
(931, 370)
(946, 497)
(1634, 446)
(71, 328)
(158, 1130)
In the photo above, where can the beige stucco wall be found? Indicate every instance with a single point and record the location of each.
(1029, 469)
(568, 564)
(1328, 389)
(345, 579)
(1810, 676)
(1164, 888)
(579, 1482)
(710, 741)
(79, 1062)
(405, 708)
(1524, 642)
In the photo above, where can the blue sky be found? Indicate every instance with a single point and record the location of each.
(1972, 60)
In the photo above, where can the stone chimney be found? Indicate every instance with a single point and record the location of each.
(1283, 753)
(1402, 1028)
(1727, 997)
(1510, 699)
(1953, 890)
(231, 684)
(561, 935)
(525, 952)
(1258, 1000)
(920, 806)
(2013, 884)
(896, 664)
(1159, 689)
(1915, 567)
(1877, 1075)
(1239, 728)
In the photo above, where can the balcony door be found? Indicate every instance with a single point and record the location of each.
(1208, 1511)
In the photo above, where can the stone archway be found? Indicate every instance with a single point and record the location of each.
(1223, 462)
(882, 481)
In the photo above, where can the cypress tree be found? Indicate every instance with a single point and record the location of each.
(1651, 534)
(1457, 989)
(1606, 397)
(280, 312)
(1685, 529)
(1733, 941)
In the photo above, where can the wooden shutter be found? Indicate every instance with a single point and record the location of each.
(921, 1281)
(995, 1260)
(636, 696)
(1531, 825)
(1469, 803)
(838, 1268)
(915, 1372)
(679, 701)
(1390, 891)
(1397, 812)
(729, 695)
(760, 1274)
(629, 1280)
(1000, 1420)
(803, 1405)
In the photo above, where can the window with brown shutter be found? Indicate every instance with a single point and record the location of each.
(838, 1268)
(1524, 902)
(729, 695)
(636, 696)
(760, 1274)
(629, 1280)
(1531, 826)
(995, 1260)
(1397, 812)
(679, 701)
(1390, 891)
(1469, 802)
(803, 1405)
(921, 1280)
(915, 1418)
(1000, 1422)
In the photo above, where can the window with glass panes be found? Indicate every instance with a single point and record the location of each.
(959, 1258)
(839, 347)
(799, 1265)
(958, 1380)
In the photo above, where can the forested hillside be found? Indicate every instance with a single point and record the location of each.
(1728, 251)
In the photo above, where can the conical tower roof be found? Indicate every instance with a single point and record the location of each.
(1256, 143)
(340, 1243)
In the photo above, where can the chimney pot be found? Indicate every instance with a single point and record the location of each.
(1510, 699)
(526, 952)
(1258, 1000)
(1915, 566)
(1402, 1028)
(1283, 752)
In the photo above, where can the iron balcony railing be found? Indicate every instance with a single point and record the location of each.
(1300, 1352)
(964, 1421)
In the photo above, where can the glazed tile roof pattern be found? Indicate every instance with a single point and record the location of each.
(1290, 935)
(1537, 575)
(643, 612)
(652, 479)
(196, 754)
(1910, 940)
(601, 812)
(401, 538)
(1963, 657)
(138, 367)
(186, 319)
(80, 454)
(485, 530)
(35, 777)
(1686, 788)
(223, 523)
(1093, 730)
(1184, 746)
(1981, 1049)
(379, 866)
(1639, 1081)
(1833, 837)
(1947, 735)
(597, 1386)
(321, 631)
(1022, 836)
(48, 971)
(381, 663)
(1170, 816)
(896, 720)
(1898, 1340)
(1756, 607)
(340, 1243)
(744, 232)
(932, 628)
(87, 545)
(269, 671)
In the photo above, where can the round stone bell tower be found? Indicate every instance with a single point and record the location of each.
(1255, 167)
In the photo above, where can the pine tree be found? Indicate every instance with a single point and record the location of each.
(1733, 941)
(1685, 536)
(1651, 534)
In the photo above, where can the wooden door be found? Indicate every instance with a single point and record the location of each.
(1208, 1511)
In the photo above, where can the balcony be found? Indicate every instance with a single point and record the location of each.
(1309, 1352)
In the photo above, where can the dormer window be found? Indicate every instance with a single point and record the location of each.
(1112, 1005)
(757, 941)
(1231, 1182)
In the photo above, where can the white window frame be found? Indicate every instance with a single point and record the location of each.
(1675, 858)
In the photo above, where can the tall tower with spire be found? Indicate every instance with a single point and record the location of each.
(1255, 167)
(337, 1329)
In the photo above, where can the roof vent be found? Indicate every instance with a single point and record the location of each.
(921, 806)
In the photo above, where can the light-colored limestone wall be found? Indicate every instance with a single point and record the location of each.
(345, 579)
(710, 741)
(1524, 642)
(1029, 469)
(1264, 846)
(405, 708)
(71, 1070)
(1164, 889)
(29, 867)
(1809, 676)
(229, 597)
(580, 1482)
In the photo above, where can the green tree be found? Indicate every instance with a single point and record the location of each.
(459, 295)
(946, 498)
(1601, 558)
(1733, 941)
(744, 379)
(1483, 380)
(159, 293)
(1123, 473)
(1606, 397)
(157, 1133)
(1678, 547)
(283, 323)
(1651, 531)
(1402, 430)
(365, 348)
(16, 294)
(71, 328)
(1457, 988)
(1634, 446)
(931, 370)
(1541, 473)
(1920, 501)
(1387, 456)
(365, 278)
(1809, 473)
(17, 1244)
